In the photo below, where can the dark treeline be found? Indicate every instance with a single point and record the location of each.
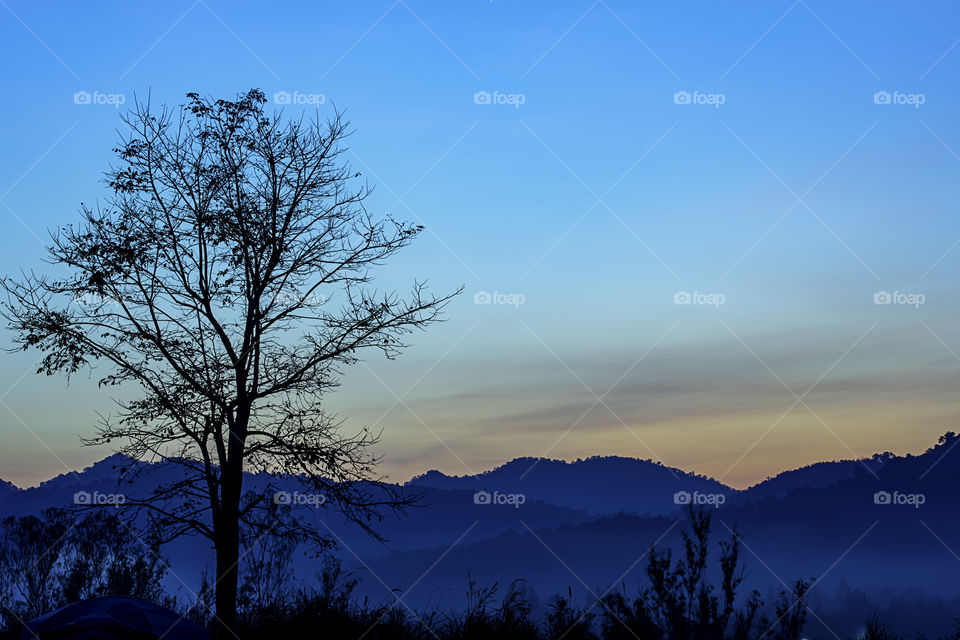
(56, 558)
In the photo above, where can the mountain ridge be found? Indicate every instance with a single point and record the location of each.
(434, 477)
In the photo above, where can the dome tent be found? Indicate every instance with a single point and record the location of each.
(112, 618)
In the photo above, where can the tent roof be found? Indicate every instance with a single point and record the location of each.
(112, 618)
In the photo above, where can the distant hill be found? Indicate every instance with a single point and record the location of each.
(597, 485)
(886, 528)
(817, 475)
(438, 515)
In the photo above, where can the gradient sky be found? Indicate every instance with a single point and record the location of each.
(597, 199)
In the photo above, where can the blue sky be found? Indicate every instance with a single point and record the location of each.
(597, 198)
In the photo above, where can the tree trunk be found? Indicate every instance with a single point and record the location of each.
(228, 553)
(228, 557)
(227, 528)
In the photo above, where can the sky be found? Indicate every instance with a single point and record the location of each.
(722, 236)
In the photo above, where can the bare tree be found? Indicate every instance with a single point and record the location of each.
(227, 278)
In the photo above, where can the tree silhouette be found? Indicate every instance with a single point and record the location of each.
(225, 277)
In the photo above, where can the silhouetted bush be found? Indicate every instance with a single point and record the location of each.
(481, 618)
(682, 604)
(567, 622)
(876, 629)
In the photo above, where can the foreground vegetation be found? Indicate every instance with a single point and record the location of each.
(53, 560)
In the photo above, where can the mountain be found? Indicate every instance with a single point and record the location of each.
(891, 528)
(597, 485)
(817, 475)
(438, 514)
